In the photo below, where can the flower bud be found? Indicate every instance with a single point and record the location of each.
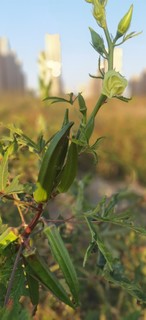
(90, 1)
(125, 22)
(99, 13)
(113, 84)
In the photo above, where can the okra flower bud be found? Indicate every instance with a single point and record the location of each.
(99, 12)
(125, 22)
(113, 84)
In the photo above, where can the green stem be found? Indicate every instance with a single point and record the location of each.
(90, 124)
(110, 49)
(99, 103)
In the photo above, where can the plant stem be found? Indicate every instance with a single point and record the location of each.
(110, 49)
(32, 223)
(90, 124)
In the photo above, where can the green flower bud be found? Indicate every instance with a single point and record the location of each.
(90, 1)
(125, 22)
(113, 84)
(99, 12)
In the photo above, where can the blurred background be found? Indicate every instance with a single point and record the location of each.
(45, 50)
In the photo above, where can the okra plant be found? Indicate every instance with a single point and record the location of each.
(23, 270)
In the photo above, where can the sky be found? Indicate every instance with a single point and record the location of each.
(25, 23)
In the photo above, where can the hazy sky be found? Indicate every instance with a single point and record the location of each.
(25, 23)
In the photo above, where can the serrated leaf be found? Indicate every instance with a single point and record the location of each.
(61, 255)
(14, 187)
(121, 280)
(33, 287)
(95, 238)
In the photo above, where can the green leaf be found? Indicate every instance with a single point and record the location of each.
(118, 278)
(124, 99)
(95, 238)
(37, 268)
(4, 172)
(60, 99)
(97, 142)
(133, 316)
(131, 35)
(88, 252)
(61, 255)
(8, 236)
(82, 105)
(33, 287)
(69, 170)
(97, 42)
(14, 187)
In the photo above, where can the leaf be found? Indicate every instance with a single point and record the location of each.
(4, 172)
(97, 142)
(19, 285)
(33, 287)
(124, 99)
(37, 268)
(8, 236)
(61, 255)
(118, 278)
(97, 42)
(133, 316)
(131, 35)
(96, 239)
(60, 99)
(14, 187)
(82, 105)
(88, 252)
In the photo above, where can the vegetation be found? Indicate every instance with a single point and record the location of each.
(48, 267)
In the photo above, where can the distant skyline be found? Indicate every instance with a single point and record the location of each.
(25, 24)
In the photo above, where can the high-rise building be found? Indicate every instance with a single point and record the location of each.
(50, 66)
(11, 75)
(137, 84)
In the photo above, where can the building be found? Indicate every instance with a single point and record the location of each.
(12, 78)
(137, 85)
(49, 64)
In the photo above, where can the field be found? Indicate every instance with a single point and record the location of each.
(121, 157)
(121, 154)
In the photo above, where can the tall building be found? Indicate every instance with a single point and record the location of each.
(49, 63)
(11, 75)
(137, 84)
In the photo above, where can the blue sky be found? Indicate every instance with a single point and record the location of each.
(26, 22)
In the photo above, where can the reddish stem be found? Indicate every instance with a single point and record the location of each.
(33, 222)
